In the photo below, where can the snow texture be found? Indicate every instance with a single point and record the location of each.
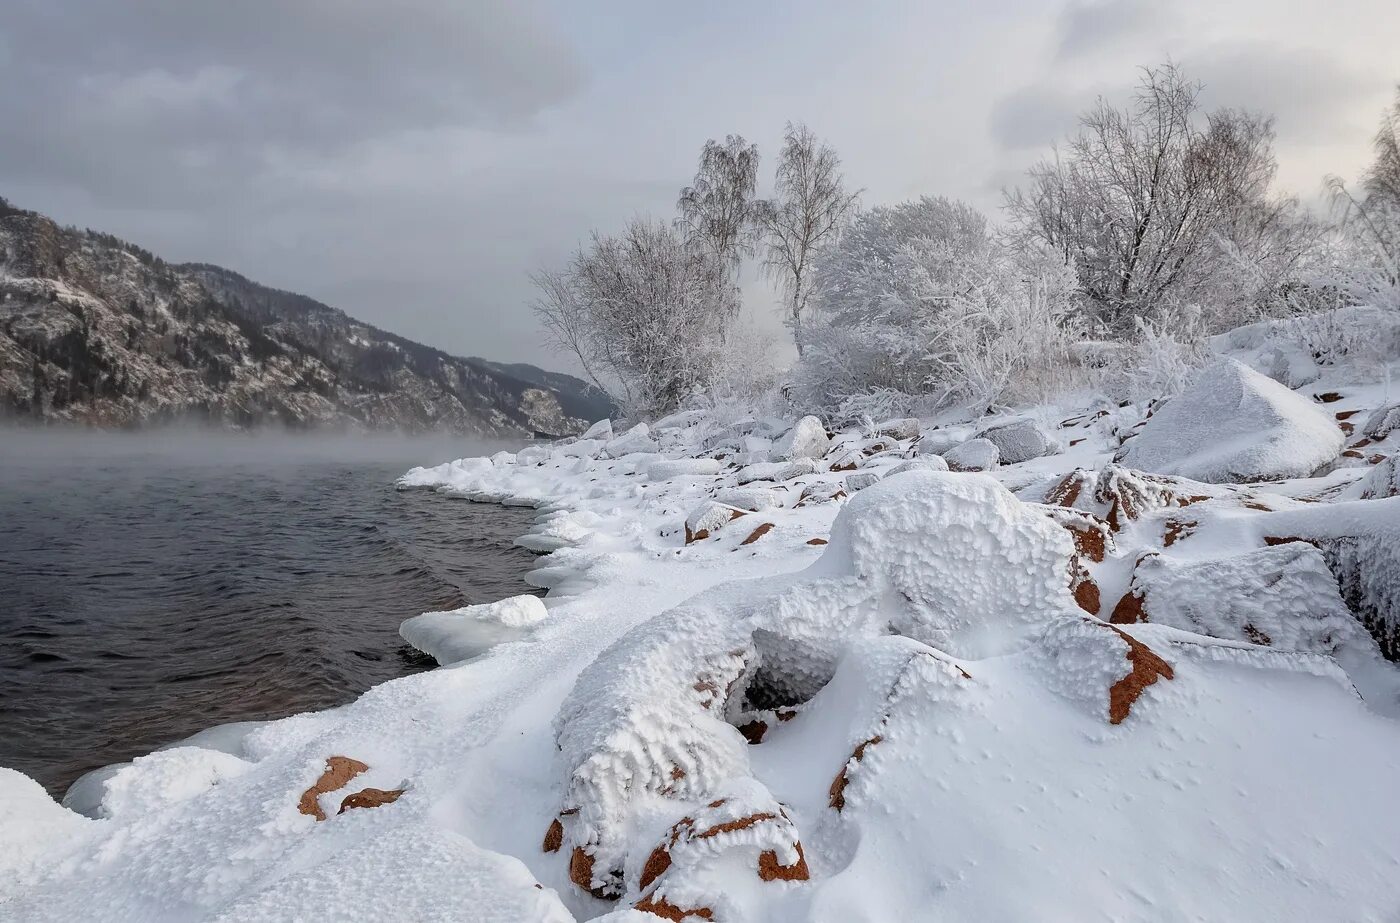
(806, 439)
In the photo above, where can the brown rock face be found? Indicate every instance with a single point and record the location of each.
(659, 906)
(1177, 529)
(770, 870)
(339, 771)
(754, 730)
(837, 794)
(581, 874)
(816, 541)
(554, 836)
(370, 798)
(1146, 668)
(757, 533)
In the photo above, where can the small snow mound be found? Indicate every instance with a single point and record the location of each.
(973, 455)
(149, 783)
(1232, 424)
(776, 471)
(1383, 480)
(1020, 440)
(460, 634)
(807, 439)
(31, 825)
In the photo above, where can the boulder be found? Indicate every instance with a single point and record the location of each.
(1020, 440)
(1384, 421)
(1234, 425)
(683, 467)
(460, 634)
(907, 428)
(707, 519)
(777, 471)
(973, 455)
(807, 439)
(636, 439)
(922, 463)
(861, 480)
(601, 430)
(753, 499)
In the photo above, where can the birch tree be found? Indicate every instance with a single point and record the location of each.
(809, 203)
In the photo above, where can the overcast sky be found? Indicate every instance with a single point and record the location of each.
(411, 161)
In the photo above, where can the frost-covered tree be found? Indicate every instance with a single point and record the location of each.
(644, 312)
(1157, 203)
(1367, 268)
(922, 299)
(809, 203)
(716, 210)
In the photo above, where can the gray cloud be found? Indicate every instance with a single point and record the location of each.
(1087, 27)
(1034, 117)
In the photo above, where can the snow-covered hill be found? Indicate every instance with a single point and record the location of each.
(96, 330)
(907, 671)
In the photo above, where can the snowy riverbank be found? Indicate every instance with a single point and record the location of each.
(782, 674)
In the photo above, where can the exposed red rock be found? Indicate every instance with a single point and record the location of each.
(581, 874)
(339, 771)
(757, 533)
(370, 798)
(1130, 609)
(754, 730)
(770, 870)
(816, 541)
(1177, 529)
(659, 906)
(1147, 667)
(837, 794)
(553, 837)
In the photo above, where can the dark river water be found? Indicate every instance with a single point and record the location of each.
(153, 586)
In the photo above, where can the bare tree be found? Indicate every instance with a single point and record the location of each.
(1154, 204)
(717, 210)
(644, 313)
(809, 203)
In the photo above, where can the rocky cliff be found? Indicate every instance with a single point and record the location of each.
(96, 330)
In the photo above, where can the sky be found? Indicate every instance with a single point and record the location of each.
(411, 162)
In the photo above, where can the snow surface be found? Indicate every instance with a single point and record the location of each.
(897, 703)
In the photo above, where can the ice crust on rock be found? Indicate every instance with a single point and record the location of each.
(806, 439)
(635, 440)
(682, 467)
(1020, 440)
(973, 455)
(1234, 425)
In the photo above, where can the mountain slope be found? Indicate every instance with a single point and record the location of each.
(97, 330)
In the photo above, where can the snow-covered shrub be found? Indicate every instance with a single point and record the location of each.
(1159, 360)
(921, 299)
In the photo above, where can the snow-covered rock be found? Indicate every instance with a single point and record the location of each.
(776, 471)
(1282, 596)
(1383, 421)
(921, 462)
(1383, 480)
(972, 455)
(861, 480)
(902, 429)
(709, 518)
(1232, 424)
(34, 829)
(753, 499)
(460, 634)
(636, 439)
(1020, 440)
(683, 467)
(601, 430)
(806, 439)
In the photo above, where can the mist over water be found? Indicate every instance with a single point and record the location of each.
(156, 584)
